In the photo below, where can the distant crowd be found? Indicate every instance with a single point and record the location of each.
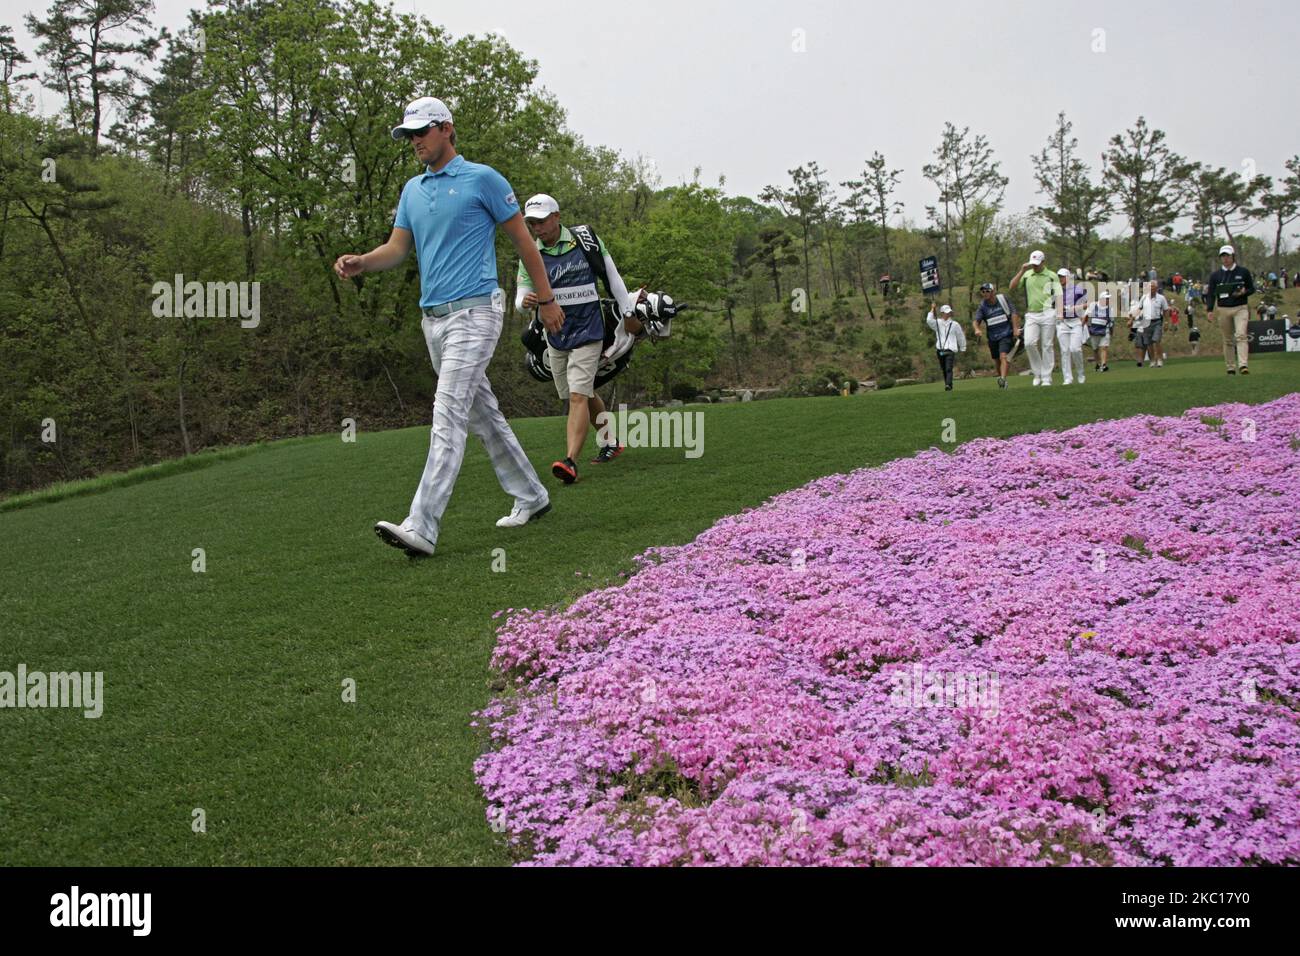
(1074, 310)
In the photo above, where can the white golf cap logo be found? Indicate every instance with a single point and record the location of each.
(1226, 251)
(420, 113)
(540, 206)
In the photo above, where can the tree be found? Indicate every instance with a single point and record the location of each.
(81, 41)
(171, 139)
(685, 248)
(870, 200)
(1225, 199)
(775, 252)
(11, 58)
(1077, 207)
(971, 189)
(1146, 177)
(799, 202)
(1281, 203)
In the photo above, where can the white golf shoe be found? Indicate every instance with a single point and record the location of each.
(405, 537)
(521, 515)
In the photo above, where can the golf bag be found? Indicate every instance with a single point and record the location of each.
(656, 310)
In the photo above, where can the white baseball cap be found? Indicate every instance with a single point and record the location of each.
(1226, 251)
(1036, 258)
(420, 113)
(945, 310)
(1063, 271)
(540, 206)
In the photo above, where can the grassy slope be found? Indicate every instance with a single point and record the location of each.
(223, 689)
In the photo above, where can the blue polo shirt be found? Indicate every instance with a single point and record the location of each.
(453, 215)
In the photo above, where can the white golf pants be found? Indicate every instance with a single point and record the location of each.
(1040, 330)
(1071, 334)
(460, 346)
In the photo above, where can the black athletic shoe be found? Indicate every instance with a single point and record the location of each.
(1244, 370)
(1232, 371)
(565, 470)
(1105, 368)
(606, 454)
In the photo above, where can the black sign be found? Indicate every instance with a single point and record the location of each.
(930, 275)
(1266, 335)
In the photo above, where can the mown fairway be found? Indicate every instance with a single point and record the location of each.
(223, 689)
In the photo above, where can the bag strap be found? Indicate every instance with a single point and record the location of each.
(590, 246)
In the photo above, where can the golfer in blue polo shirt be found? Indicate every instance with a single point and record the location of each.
(449, 214)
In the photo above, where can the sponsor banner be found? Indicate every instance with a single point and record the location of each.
(1266, 335)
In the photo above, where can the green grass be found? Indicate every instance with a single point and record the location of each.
(223, 689)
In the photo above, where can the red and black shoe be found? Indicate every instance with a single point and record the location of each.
(565, 470)
(608, 453)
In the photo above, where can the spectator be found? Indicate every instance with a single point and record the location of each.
(1147, 321)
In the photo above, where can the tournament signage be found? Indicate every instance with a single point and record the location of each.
(930, 275)
(1266, 335)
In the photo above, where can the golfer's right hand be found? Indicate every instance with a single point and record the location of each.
(530, 300)
(552, 316)
(345, 267)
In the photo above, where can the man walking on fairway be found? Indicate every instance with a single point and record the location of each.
(949, 339)
(1042, 292)
(1100, 322)
(1002, 323)
(1229, 288)
(449, 214)
(1148, 325)
(575, 350)
(1069, 327)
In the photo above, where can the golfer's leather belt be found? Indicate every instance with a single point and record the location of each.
(447, 308)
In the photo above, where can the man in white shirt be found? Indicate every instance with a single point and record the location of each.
(1147, 320)
(949, 339)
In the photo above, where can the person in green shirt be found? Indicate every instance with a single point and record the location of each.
(1043, 293)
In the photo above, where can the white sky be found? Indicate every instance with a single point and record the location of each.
(718, 85)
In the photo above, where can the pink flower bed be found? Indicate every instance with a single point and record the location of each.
(1064, 648)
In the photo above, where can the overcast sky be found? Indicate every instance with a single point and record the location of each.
(723, 87)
